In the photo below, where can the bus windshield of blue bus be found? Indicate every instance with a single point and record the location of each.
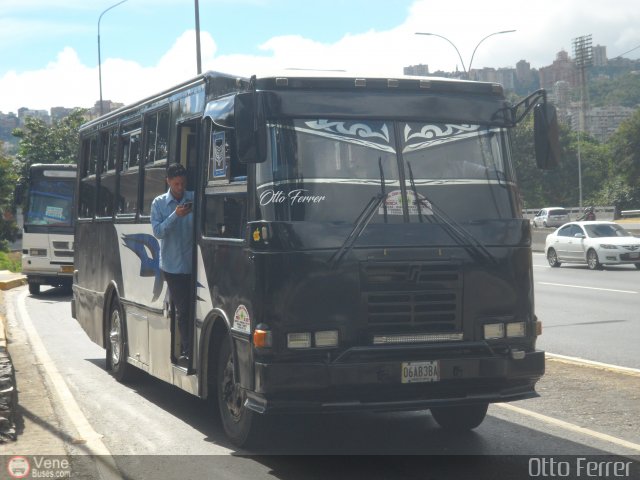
(50, 203)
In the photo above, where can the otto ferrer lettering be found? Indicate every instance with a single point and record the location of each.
(294, 197)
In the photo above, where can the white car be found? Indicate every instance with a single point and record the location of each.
(594, 243)
(551, 217)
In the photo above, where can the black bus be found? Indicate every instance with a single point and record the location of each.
(359, 245)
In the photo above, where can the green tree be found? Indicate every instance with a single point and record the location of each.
(8, 178)
(624, 165)
(41, 143)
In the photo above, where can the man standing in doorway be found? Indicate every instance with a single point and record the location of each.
(172, 224)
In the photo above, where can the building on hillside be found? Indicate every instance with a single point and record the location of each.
(421, 70)
(24, 113)
(562, 69)
(599, 56)
(58, 113)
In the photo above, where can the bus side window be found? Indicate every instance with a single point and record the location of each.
(87, 201)
(225, 215)
(130, 158)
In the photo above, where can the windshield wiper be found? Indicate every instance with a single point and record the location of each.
(362, 220)
(456, 231)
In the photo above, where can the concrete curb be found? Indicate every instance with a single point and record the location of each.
(11, 280)
(8, 387)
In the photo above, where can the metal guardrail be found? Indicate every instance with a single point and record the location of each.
(630, 213)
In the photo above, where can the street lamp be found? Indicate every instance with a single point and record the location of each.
(450, 42)
(456, 48)
(490, 35)
(99, 60)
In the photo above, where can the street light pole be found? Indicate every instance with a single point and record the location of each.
(198, 55)
(490, 35)
(466, 71)
(99, 59)
(450, 42)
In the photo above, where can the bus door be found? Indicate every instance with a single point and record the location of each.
(187, 155)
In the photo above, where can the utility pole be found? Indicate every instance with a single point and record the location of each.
(198, 55)
(583, 54)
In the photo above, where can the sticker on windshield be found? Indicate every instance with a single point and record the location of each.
(394, 202)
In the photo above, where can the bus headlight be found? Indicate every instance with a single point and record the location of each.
(516, 329)
(328, 338)
(299, 340)
(493, 331)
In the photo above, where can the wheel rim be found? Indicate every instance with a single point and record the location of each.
(232, 394)
(552, 257)
(592, 259)
(115, 337)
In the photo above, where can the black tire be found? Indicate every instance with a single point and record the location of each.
(592, 260)
(544, 224)
(552, 258)
(241, 425)
(460, 418)
(117, 349)
(34, 288)
(637, 265)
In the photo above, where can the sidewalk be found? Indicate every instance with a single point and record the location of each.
(8, 390)
(29, 423)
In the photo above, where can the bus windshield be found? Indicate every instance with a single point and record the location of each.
(50, 202)
(326, 170)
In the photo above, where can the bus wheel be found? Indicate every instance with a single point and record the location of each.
(239, 423)
(460, 418)
(117, 350)
(34, 288)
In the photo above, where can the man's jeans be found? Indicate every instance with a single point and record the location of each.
(180, 291)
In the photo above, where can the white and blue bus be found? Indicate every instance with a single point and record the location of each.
(359, 245)
(47, 241)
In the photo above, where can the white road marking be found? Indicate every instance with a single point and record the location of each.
(105, 463)
(593, 364)
(587, 288)
(570, 426)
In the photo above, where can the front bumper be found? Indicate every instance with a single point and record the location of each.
(334, 387)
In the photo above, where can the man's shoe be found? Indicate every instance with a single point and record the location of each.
(183, 361)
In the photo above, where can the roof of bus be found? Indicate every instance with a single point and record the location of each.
(303, 78)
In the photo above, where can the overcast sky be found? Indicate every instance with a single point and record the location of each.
(49, 52)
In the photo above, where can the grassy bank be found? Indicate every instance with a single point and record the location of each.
(10, 261)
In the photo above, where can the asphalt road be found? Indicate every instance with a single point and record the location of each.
(593, 315)
(154, 430)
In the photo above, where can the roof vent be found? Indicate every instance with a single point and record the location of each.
(282, 81)
(392, 83)
(361, 82)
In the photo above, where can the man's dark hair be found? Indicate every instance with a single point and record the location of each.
(176, 170)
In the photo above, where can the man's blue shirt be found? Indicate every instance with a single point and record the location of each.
(175, 233)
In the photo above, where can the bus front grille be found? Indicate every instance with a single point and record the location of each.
(424, 297)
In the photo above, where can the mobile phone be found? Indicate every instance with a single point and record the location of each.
(187, 205)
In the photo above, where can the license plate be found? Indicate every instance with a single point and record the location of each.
(66, 269)
(415, 372)
(634, 255)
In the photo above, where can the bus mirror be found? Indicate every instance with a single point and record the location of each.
(545, 132)
(251, 135)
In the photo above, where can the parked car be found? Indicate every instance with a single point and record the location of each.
(551, 217)
(595, 243)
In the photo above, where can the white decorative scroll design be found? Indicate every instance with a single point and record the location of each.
(436, 134)
(357, 133)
